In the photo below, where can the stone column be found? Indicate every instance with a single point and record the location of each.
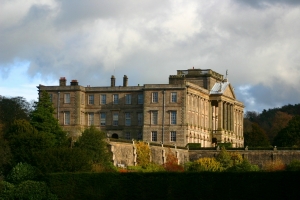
(225, 116)
(232, 118)
(220, 114)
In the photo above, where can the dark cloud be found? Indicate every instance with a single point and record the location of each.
(267, 3)
(149, 40)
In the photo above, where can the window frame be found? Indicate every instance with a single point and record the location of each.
(140, 118)
(173, 97)
(173, 136)
(140, 99)
(154, 97)
(127, 136)
(128, 99)
(154, 117)
(115, 99)
(67, 98)
(173, 117)
(91, 119)
(115, 119)
(67, 118)
(127, 118)
(154, 136)
(102, 119)
(102, 99)
(91, 99)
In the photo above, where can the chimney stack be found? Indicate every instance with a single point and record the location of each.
(62, 81)
(112, 81)
(74, 82)
(125, 81)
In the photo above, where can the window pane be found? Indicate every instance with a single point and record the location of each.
(102, 119)
(115, 99)
(91, 119)
(127, 119)
(91, 99)
(67, 98)
(154, 97)
(140, 136)
(140, 98)
(103, 99)
(154, 117)
(174, 97)
(128, 99)
(140, 119)
(154, 136)
(67, 118)
(115, 119)
(173, 117)
(173, 136)
(127, 136)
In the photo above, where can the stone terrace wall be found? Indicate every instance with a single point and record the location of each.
(124, 154)
(257, 157)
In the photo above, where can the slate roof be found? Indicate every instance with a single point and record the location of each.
(219, 88)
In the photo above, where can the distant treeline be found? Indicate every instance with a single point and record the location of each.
(273, 127)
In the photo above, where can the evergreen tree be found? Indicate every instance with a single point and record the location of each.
(24, 140)
(256, 137)
(42, 119)
(92, 142)
(290, 135)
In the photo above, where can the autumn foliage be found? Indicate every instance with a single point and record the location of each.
(143, 154)
(171, 164)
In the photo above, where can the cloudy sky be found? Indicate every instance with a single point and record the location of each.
(256, 41)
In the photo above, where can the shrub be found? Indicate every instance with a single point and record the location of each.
(224, 158)
(272, 166)
(225, 145)
(205, 164)
(22, 172)
(33, 190)
(6, 190)
(151, 167)
(171, 164)
(143, 153)
(293, 166)
(244, 166)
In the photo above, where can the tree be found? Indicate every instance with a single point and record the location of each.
(244, 166)
(257, 137)
(143, 154)
(224, 158)
(42, 119)
(290, 135)
(279, 122)
(92, 142)
(24, 139)
(171, 164)
(205, 164)
(12, 109)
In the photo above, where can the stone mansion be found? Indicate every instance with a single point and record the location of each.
(197, 106)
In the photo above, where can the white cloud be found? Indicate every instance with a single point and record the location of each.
(91, 40)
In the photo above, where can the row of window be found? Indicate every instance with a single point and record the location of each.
(173, 97)
(128, 117)
(115, 97)
(154, 117)
(128, 136)
(172, 136)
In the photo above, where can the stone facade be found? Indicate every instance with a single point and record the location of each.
(197, 106)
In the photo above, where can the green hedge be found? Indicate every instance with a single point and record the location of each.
(194, 145)
(255, 185)
(226, 145)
